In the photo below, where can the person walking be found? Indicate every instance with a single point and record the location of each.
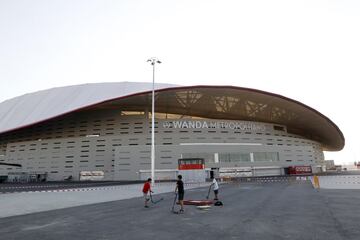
(146, 189)
(180, 190)
(216, 188)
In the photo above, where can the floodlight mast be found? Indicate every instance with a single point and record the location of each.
(153, 61)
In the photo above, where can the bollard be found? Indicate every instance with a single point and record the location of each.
(316, 182)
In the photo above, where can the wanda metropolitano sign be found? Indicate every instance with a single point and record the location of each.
(197, 124)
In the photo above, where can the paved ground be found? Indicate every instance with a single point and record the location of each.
(26, 202)
(251, 211)
(45, 186)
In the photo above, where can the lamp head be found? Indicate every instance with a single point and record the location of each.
(153, 61)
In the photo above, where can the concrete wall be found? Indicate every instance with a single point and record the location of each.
(108, 141)
(130, 159)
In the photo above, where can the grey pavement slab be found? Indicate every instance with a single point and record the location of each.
(30, 202)
(251, 211)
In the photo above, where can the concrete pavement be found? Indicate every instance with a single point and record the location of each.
(251, 211)
(12, 204)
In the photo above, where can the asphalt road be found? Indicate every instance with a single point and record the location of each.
(251, 211)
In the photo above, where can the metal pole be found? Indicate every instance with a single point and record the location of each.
(153, 128)
(153, 62)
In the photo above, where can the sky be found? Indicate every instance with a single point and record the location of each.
(306, 50)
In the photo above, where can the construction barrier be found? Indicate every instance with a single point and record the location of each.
(336, 182)
(271, 179)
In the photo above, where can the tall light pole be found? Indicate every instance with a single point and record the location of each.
(153, 61)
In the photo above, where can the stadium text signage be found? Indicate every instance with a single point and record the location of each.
(216, 125)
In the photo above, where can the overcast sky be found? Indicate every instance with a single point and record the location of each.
(305, 50)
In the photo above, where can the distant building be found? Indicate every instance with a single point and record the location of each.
(330, 164)
(103, 131)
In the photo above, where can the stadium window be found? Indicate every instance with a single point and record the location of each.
(224, 157)
(279, 128)
(266, 156)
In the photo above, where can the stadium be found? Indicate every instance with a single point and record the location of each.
(103, 131)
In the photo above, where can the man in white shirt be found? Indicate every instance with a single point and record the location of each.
(216, 188)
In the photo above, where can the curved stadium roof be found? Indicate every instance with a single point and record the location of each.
(218, 102)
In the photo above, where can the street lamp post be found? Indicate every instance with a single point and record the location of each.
(153, 61)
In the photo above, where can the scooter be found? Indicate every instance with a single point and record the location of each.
(157, 201)
(173, 206)
(207, 197)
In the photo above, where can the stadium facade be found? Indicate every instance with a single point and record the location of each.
(106, 128)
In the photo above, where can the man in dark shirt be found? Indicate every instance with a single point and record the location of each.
(180, 190)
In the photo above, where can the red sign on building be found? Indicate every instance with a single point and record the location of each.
(191, 163)
(300, 170)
